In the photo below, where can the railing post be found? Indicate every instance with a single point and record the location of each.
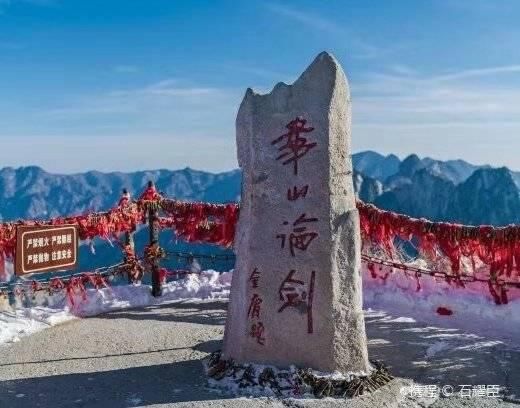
(153, 223)
(129, 242)
(11, 298)
(129, 235)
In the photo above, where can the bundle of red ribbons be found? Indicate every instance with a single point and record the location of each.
(201, 222)
(484, 253)
(74, 286)
(191, 221)
(461, 249)
(497, 248)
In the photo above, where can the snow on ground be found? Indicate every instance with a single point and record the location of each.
(396, 298)
(23, 322)
(473, 309)
(49, 311)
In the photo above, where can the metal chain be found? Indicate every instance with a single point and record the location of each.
(437, 274)
(193, 255)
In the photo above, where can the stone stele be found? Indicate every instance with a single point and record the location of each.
(296, 292)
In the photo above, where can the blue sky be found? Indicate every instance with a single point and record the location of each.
(139, 84)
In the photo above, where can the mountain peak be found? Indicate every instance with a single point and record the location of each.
(375, 165)
(31, 169)
(491, 177)
(410, 165)
(488, 196)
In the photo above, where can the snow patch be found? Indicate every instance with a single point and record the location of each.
(436, 347)
(52, 310)
(474, 311)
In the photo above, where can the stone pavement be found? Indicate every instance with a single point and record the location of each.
(150, 357)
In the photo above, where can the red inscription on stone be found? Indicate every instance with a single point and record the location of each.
(254, 278)
(257, 332)
(294, 194)
(299, 238)
(254, 307)
(294, 293)
(295, 146)
(253, 312)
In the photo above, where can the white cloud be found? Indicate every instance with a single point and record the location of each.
(168, 123)
(402, 69)
(255, 70)
(77, 153)
(172, 123)
(311, 20)
(362, 49)
(164, 96)
(492, 143)
(480, 72)
(459, 114)
(459, 96)
(169, 87)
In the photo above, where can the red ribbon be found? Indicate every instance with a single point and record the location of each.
(444, 311)
(497, 248)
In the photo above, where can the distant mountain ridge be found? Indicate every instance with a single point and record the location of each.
(31, 192)
(382, 167)
(452, 190)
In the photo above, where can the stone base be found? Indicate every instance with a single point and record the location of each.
(263, 380)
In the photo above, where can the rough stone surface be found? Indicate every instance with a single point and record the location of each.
(315, 318)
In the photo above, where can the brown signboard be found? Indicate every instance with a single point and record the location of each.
(46, 248)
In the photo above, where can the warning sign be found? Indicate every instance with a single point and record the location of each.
(46, 248)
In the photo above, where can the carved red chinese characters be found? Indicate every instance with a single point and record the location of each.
(257, 328)
(296, 293)
(299, 238)
(254, 307)
(254, 278)
(295, 193)
(257, 332)
(296, 146)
